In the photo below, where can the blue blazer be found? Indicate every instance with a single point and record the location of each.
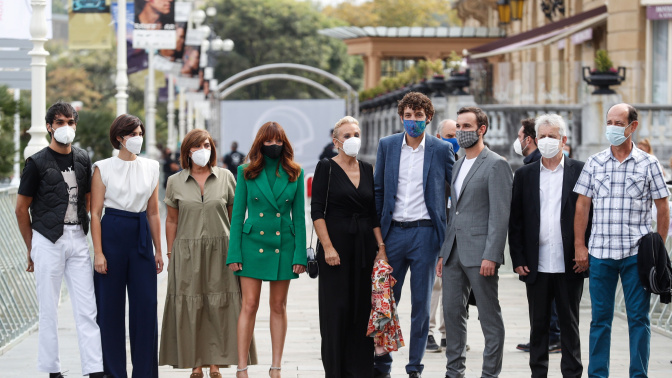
(437, 170)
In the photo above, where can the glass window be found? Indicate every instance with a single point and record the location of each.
(660, 62)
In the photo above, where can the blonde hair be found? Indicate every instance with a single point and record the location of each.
(341, 122)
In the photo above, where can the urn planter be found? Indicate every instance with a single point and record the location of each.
(602, 80)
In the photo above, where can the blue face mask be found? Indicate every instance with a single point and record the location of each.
(414, 128)
(616, 134)
(453, 141)
(566, 153)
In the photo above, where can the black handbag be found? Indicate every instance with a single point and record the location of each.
(312, 268)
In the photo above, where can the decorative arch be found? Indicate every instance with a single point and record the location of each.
(226, 92)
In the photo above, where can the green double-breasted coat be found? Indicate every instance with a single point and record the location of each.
(273, 236)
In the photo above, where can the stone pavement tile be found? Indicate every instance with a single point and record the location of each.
(302, 349)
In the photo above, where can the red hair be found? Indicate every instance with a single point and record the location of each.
(270, 131)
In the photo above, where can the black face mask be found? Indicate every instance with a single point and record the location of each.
(273, 151)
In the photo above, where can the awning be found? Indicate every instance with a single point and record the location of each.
(543, 35)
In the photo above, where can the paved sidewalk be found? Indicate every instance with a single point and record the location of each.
(302, 350)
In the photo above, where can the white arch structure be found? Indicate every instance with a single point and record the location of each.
(227, 87)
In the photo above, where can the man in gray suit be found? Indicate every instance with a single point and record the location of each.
(474, 245)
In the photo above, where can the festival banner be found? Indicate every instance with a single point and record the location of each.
(15, 19)
(89, 25)
(136, 59)
(154, 26)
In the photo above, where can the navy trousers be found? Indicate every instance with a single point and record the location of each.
(416, 249)
(127, 245)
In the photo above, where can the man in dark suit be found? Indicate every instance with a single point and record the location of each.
(412, 169)
(541, 243)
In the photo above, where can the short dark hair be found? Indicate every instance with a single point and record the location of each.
(528, 129)
(62, 108)
(192, 139)
(481, 117)
(632, 112)
(415, 101)
(122, 126)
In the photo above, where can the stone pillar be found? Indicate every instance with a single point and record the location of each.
(182, 121)
(593, 124)
(150, 117)
(38, 64)
(171, 143)
(17, 141)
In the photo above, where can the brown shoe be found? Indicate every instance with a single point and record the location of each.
(215, 374)
(196, 375)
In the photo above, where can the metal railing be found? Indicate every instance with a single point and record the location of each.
(18, 298)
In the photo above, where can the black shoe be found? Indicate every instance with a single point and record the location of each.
(99, 375)
(523, 347)
(378, 374)
(56, 375)
(554, 348)
(432, 347)
(414, 374)
(443, 342)
(468, 348)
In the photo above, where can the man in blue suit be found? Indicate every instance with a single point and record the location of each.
(410, 178)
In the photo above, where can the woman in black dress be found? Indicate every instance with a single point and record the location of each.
(350, 243)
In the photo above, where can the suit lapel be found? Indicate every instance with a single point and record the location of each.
(536, 185)
(477, 164)
(429, 151)
(262, 183)
(394, 162)
(280, 183)
(567, 174)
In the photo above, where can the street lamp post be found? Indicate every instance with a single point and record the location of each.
(122, 76)
(150, 116)
(38, 64)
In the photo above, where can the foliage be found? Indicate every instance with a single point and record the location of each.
(602, 61)
(8, 108)
(454, 61)
(422, 70)
(93, 132)
(395, 13)
(280, 31)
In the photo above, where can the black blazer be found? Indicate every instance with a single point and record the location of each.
(525, 218)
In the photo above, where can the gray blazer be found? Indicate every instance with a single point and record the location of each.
(479, 220)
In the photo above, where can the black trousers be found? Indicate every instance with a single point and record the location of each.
(567, 293)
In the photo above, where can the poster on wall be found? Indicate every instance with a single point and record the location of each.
(89, 25)
(90, 6)
(154, 24)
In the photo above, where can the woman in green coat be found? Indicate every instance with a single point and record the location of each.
(270, 244)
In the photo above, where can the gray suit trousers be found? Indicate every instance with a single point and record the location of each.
(457, 280)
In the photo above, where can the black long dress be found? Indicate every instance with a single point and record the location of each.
(345, 289)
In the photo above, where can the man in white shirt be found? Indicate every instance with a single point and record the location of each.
(410, 178)
(541, 243)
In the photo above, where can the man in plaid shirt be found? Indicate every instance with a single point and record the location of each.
(623, 182)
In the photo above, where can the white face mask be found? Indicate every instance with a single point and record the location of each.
(134, 144)
(64, 134)
(201, 157)
(548, 147)
(351, 146)
(518, 148)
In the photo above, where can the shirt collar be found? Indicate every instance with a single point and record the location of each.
(560, 166)
(187, 173)
(636, 154)
(422, 142)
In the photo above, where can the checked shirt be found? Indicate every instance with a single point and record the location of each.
(622, 196)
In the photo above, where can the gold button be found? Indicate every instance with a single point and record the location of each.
(261, 232)
(277, 233)
(256, 199)
(277, 215)
(277, 251)
(286, 200)
(261, 250)
(261, 215)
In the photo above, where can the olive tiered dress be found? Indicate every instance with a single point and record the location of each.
(203, 299)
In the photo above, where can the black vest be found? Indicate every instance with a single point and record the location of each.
(51, 200)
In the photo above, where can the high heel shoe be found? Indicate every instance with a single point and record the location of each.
(215, 374)
(273, 368)
(241, 370)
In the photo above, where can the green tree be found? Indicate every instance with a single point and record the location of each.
(395, 13)
(281, 31)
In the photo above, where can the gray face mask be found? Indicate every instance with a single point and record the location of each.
(466, 139)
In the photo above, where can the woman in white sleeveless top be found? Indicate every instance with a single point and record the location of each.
(127, 187)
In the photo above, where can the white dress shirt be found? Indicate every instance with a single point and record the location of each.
(410, 199)
(462, 174)
(551, 253)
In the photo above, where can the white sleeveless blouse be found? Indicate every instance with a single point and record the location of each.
(128, 184)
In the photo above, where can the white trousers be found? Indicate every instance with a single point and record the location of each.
(434, 306)
(68, 257)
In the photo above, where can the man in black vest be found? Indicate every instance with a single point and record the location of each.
(55, 186)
